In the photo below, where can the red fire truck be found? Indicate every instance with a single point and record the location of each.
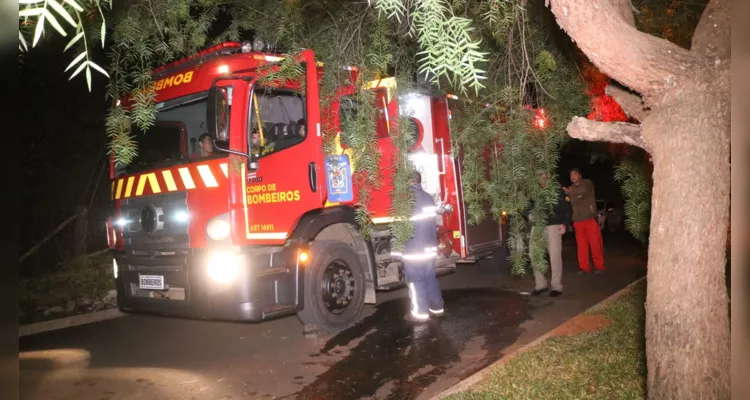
(260, 230)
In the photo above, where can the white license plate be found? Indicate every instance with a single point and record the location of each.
(151, 282)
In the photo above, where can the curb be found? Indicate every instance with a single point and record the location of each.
(472, 380)
(67, 322)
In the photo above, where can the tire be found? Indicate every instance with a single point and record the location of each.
(323, 280)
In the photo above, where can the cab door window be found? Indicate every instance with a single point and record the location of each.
(277, 120)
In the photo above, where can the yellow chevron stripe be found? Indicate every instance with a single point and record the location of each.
(154, 183)
(167, 174)
(187, 180)
(119, 189)
(207, 176)
(224, 169)
(129, 186)
(141, 184)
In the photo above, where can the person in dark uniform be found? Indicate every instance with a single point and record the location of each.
(419, 257)
(557, 221)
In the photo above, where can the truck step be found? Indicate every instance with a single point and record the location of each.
(278, 309)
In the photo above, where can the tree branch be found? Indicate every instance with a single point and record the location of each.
(603, 29)
(615, 132)
(630, 102)
(52, 234)
(712, 37)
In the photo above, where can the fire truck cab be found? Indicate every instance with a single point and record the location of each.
(265, 225)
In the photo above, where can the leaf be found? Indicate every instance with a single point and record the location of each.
(62, 11)
(76, 60)
(75, 5)
(104, 30)
(88, 77)
(39, 30)
(98, 68)
(22, 40)
(30, 12)
(78, 71)
(53, 21)
(73, 41)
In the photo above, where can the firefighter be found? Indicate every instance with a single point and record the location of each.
(255, 148)
(301, 129)
(419, 257)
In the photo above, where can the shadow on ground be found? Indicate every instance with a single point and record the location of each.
(394, 359)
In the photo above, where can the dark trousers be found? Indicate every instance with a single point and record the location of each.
(424, 288)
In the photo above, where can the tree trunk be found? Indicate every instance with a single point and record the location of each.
(687, 322)
(687, 134)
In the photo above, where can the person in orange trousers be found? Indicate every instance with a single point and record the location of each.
(588, 235)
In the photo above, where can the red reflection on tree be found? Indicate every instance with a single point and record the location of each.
(603, 107)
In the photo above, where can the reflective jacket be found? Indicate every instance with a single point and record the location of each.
(423, 244)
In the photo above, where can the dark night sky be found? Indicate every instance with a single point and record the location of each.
(63, 144)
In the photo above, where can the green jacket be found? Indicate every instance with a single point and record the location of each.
(583, 199)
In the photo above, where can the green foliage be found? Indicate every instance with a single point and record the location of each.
(636, 190)
(505, 177)
(289, 69)
(147, 35)
(357, 133)
(290, 23)
(402, 199)
(39, 14)
(118, 127)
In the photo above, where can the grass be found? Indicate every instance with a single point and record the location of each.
(609, 364)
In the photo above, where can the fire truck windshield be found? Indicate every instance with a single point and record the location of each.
(173, 139)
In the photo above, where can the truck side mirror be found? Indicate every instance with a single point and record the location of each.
(217, 113)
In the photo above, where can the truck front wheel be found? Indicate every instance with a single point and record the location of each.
(334, 287)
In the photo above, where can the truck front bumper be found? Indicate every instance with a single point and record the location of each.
(259, 284)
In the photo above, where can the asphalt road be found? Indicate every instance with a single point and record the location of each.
(382, 357)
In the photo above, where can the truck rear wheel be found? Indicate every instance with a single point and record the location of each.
(334, 287)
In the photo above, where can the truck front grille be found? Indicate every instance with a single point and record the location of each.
(156, 223)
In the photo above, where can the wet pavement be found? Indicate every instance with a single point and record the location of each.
(382, 357)
(417, 356)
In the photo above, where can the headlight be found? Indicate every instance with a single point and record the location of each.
(218, 228)
(121, 222)
(181, 216)
(114, 267)
(223, 266)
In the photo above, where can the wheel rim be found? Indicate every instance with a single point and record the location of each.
(338, 286)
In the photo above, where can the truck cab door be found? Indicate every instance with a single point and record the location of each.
(283, 131)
